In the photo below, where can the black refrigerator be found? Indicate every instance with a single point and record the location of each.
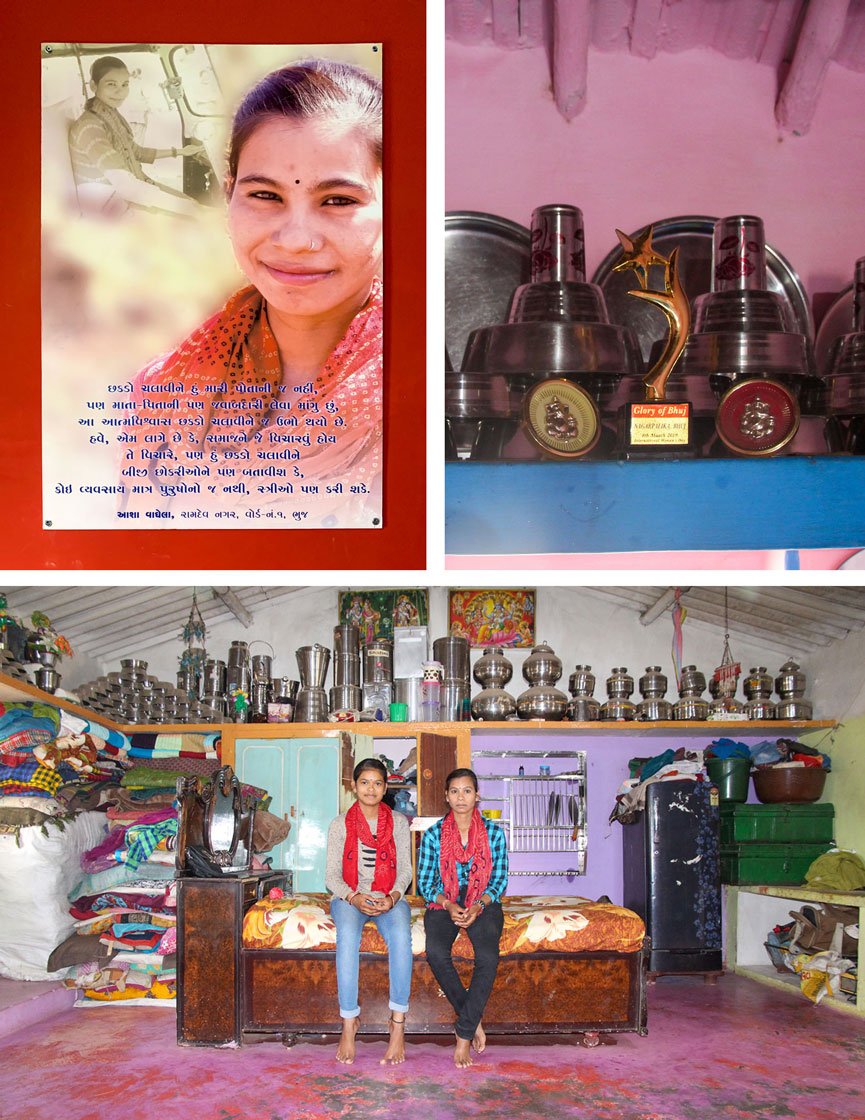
(672, 875)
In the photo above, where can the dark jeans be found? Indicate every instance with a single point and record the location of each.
(484, 934)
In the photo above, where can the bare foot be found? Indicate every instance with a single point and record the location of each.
(463, 1053)
(395, 1052)
(346, 1050)
(479, 1042)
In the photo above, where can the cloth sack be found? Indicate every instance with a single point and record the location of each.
(836, 871)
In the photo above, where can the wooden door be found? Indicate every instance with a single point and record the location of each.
(437, 756)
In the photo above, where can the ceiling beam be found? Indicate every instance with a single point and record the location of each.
(664, 602)
(229, 598)
(572, 28)
(821, 32)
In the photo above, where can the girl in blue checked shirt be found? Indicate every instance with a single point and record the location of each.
(462, 873)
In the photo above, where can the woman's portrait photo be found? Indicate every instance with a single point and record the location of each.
(212, 286)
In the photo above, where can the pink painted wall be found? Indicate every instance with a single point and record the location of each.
(689, 133)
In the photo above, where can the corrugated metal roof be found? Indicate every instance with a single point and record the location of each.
(804, 618)
(110, 622)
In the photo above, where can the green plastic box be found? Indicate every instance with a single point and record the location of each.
(769, 864)
(777, 824)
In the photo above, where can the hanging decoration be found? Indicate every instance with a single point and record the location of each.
(194, 654)
(726, 675)
(679, 615)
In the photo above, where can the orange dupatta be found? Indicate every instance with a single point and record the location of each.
(216, 402)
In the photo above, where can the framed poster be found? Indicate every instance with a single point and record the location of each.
(212, 298)
(376, 613)
(62, 496)
(493, 618)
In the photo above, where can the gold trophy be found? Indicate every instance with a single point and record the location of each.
(657, 426)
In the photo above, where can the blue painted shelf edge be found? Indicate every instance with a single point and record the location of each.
(789, 502)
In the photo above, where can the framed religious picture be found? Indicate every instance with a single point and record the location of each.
(503, 618)
(376, 613)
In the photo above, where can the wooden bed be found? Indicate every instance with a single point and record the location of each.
(226, 990)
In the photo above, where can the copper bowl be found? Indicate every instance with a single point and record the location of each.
(789, 783)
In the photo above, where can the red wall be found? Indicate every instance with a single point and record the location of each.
(400, 27)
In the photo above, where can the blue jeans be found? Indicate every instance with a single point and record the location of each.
(395, 928)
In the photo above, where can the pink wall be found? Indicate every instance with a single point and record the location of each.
(689, 133)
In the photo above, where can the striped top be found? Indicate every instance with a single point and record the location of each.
(101, 140)
(366, 858)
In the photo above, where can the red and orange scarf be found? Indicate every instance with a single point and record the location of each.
(357, 829)
(225, 378)
(477, 850)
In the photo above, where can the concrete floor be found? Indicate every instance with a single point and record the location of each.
(734, 1051)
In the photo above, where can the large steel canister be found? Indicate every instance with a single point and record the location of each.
(453, 653)
(378, 661)
(346, 640)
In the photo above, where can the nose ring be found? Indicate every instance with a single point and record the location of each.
(313, 245)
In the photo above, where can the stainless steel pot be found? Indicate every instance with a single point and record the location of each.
(654, 708)
(582, 681)
(378, 661)
(584, 709)
(134, 663)
(618, 708)
(653, 683)
(346, 669)
(283, 690)
(213, 677)
(758, 683)
(238, 654)
(760, 707)
(346, 640)
(311, 706)
(794, 708)
(542, 701)
(453, 702)
(312, 664)
(492, 669)
(346, 696)
(261, 666)
(542, 666)
(790, 682)
(692, 682)
(238, 676)
(691, 707)
(494, 704)
(47, 679)
(453, 653)
(620, 684)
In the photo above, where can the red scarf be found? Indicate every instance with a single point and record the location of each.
(357, 829)
(452, 852)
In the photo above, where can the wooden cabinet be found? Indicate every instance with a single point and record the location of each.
(209, 913)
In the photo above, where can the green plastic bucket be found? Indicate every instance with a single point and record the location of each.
(731, 776)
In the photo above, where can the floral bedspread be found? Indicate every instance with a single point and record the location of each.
(556, 923)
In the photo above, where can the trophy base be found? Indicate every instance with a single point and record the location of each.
(657, 430)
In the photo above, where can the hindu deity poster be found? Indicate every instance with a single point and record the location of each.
(493, 618)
